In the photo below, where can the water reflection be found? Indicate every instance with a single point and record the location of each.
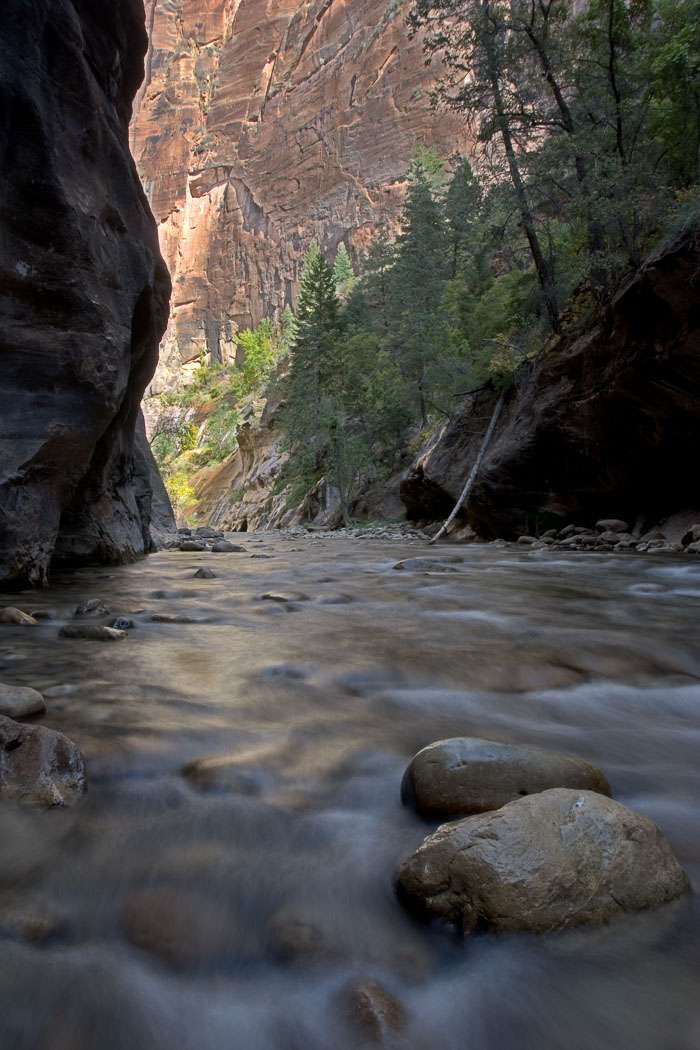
(231, 904)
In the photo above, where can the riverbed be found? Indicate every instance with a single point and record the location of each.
(184, 905)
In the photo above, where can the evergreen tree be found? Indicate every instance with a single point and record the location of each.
(343, 273)
(418, 284)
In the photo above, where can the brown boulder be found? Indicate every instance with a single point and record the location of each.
(19, 701)
(468, 775)
(39, 766)
(561, 858)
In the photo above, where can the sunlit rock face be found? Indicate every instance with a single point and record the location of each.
(261, 124)
(83, 288)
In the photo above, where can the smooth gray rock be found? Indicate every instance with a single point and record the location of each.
(20, 701)
(612, 525)
(468, 775)
(558, 859)
(39, 766)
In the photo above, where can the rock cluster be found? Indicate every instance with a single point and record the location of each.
(613, 534)
(560, 854)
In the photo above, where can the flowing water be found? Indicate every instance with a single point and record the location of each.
(231, 911)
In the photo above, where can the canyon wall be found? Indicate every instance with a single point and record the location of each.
(83, 289)
(264, 123)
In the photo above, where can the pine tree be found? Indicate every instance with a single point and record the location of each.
(343, 273)
(418, 282)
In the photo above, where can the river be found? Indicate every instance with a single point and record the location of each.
(230, 911)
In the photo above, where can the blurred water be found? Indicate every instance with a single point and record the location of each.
(231, 911)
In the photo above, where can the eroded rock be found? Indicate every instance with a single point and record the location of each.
(39, 766)
(15, 616)
(557, 859)
(469, 775)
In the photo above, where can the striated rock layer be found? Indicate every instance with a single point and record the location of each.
(261, 124)
(603, 424)
(83, 289)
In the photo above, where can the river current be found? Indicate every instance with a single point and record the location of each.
(232, 911)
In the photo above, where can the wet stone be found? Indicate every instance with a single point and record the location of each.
(38, 766)
(122, 623)
(175, 618)
(15, 616)
(469, 775)
(192, 545)
(92, 607)
(371, 1010)
(297, 938)
(17, 701)
(203, 573)
(428, 564)
(284, 597)
(92, 632)
(224, 547)
(546, 862)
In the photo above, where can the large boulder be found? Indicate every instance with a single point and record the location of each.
(545, 862)
(468, 775)
(85, 291)
(39, 766)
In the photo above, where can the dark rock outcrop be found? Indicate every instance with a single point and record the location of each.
(604, 423)
(83, 289)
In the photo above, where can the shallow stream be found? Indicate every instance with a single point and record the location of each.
(232, 911)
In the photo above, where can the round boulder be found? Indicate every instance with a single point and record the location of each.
(468, 775)
(20, 701)
(558, 859)
(39, 766)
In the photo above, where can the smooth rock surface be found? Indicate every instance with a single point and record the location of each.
(469, 775)
(557, 859)
(39, 766)
(15, 616)
(19, 701)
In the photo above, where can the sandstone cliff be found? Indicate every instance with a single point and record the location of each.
(261, 124)
(606, 424)
(84, 291)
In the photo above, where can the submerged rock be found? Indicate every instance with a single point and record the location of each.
(19, 701)
(92, 632)
(92, 607)
(557, 859)
(468, 775)
(181, 927)
(203, 574)
(299, 938)
(224, 547)
(39, 766)
(371, 1010)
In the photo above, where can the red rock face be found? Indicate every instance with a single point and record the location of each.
(264, 123)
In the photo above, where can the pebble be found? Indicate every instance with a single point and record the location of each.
(371, 1010)
(203, 573)
(122, 623)
(279, 596)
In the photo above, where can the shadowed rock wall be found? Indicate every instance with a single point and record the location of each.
(605, 425)
(83, 289)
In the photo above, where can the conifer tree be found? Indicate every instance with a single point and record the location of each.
(343, 273)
